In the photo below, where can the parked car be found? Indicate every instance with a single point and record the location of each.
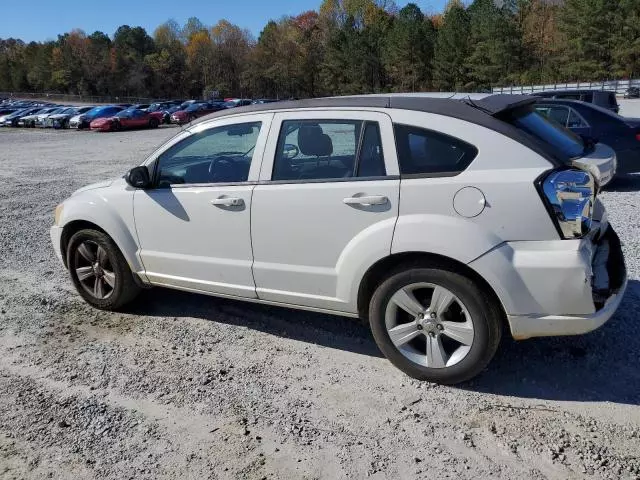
(593, 122)
(12, 119)
(407, 211)
(260, 101)
(127, 119)
(162, 106)
(61, 120)
(237, 102)
(632, 92)
(84, 120)
(196, 110)
(41, 118)
(601, 98)
(29, 121)
(176, 108)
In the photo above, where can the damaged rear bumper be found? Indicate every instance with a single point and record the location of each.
(564, 287)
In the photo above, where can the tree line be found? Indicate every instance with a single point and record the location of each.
(345, 47)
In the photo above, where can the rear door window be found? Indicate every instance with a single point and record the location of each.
(328, 149)
(427, 152)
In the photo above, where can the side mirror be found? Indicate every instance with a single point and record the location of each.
(138, 177)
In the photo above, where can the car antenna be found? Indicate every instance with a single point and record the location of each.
(473, 104)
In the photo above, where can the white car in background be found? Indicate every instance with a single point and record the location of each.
(439, 221)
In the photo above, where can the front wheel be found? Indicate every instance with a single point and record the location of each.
(98, 270)
(435, 324)
(153, 123)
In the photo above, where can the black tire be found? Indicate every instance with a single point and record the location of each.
(124, 289)
(485, 316)
(115, 126)
(153, 123)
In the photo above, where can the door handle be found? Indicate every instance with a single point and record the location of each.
(228, 202)
(366, 200)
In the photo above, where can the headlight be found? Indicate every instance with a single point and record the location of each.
(570, 195)
(58, 214)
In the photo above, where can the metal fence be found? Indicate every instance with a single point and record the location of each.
(617, 86)
(80, 99)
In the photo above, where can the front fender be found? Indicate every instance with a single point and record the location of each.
(113, 213)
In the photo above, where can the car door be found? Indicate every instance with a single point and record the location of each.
(194, 224)
(325, 205)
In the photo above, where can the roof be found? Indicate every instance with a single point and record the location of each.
(466, 106)
(481, 109)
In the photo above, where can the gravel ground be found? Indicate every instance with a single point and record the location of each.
(187, 386)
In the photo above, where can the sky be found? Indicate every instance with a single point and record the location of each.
(41, 20)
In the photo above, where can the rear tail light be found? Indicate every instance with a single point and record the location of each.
(638, 136)
(569, 196)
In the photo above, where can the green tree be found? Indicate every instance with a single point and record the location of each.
(495, 45)
(130, 74)
(451, 49)
(409, 50)
(587, 26)
(626, 39)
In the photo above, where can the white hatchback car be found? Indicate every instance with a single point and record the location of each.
(438, 221)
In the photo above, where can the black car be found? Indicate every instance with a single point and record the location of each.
(590, 121)
(632, 92)
(600, 98)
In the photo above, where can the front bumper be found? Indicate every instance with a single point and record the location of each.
(56, 236)
(559, 287)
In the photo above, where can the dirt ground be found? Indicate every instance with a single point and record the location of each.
(183, 386)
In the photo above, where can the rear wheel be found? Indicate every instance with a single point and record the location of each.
(435, 324)
(98, 270)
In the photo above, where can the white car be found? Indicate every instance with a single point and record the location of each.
(438, 221)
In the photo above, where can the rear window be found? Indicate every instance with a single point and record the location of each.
(565, 143)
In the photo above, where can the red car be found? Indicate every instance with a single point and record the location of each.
(196, 110)
(130, 118)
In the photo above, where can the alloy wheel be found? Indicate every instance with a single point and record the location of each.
(94, 270)
(429, 325)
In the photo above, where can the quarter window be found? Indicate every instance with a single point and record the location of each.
(422, 151)
(328, 149)
(217, 155)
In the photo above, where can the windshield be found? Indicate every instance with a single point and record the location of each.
(564, 141)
